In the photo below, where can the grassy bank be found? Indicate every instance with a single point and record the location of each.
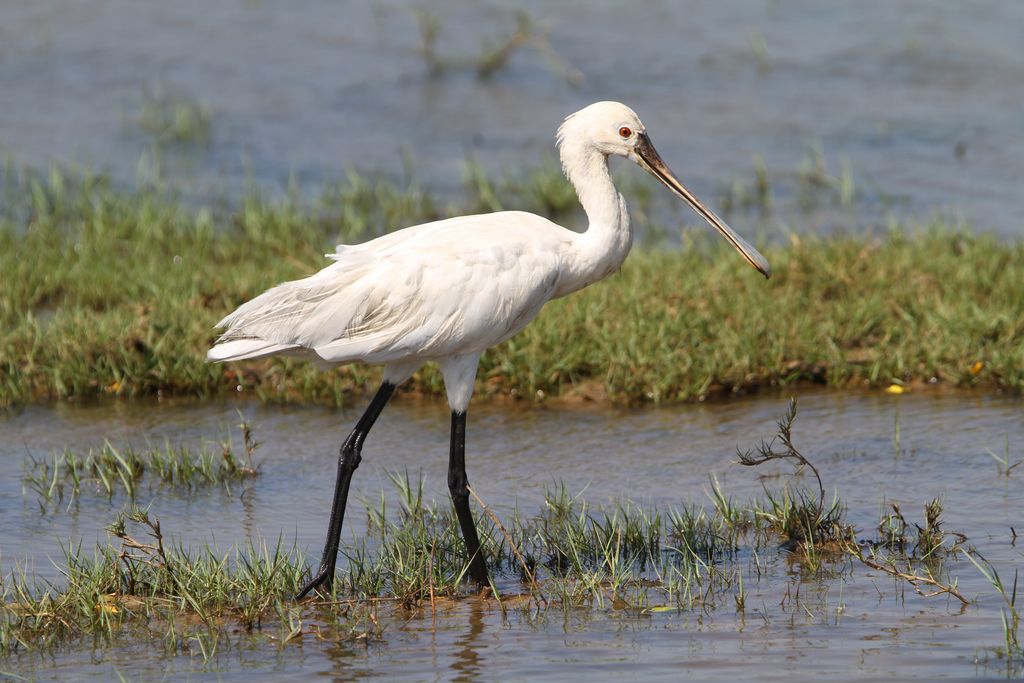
(114, 292)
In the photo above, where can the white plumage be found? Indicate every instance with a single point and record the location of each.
(426, 292)
(448, 290)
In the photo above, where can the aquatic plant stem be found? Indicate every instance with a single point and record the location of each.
(511, 544)
(765, 452)
(913, 579)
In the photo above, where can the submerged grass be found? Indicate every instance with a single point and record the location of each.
(173, 117)
(1012, 651)
(109, 470)
(178, 599)
(105, 291)
(569, 555)
(625, 557)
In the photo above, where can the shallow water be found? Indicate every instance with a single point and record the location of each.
(922, 98)
(661, 457)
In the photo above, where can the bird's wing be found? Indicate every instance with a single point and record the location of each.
(446, 287)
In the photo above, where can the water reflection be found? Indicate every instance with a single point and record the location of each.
(349, 661)
(466, 665)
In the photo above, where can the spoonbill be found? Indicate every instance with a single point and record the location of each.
(448, 290)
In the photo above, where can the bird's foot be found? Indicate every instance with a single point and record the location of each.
(322, 582)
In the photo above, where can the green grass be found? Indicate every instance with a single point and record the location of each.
(145, 587)
(177, 599)
(109, 470)
(567, 556)
(173, 117)
(107, 291)
(1012, 651)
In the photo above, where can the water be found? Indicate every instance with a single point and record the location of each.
(661, 457)
(922, 99)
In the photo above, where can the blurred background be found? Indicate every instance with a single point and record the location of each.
(788, 116)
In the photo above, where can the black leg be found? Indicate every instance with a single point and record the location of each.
(458, 484)
(347, 464)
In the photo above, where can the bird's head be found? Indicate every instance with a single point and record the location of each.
(613, 128)
(608, 127)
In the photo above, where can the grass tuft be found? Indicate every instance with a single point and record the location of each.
(173, 117)
(109, 470)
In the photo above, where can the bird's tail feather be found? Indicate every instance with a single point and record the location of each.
(238, 349)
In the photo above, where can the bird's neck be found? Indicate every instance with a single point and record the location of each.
(603, 247)
(587, 170)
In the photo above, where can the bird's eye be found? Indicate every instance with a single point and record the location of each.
(625, 132)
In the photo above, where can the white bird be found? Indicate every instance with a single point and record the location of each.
(446, 291)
